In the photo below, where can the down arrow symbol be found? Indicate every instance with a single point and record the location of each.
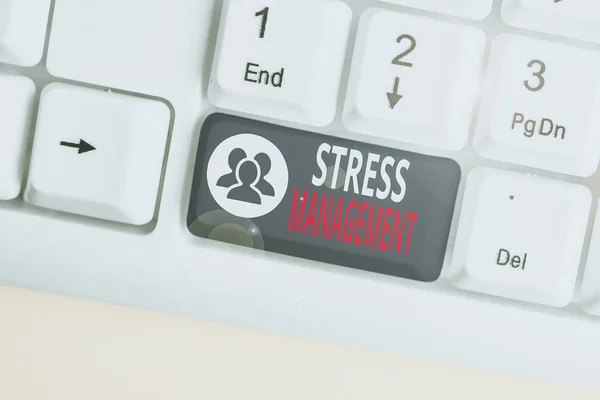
(394, 97)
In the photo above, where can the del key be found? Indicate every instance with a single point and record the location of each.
(322, 198)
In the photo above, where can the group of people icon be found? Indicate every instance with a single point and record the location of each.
(246, 181)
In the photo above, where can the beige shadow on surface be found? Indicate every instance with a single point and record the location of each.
(53, 347)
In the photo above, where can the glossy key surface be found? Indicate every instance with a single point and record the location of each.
(323, 198)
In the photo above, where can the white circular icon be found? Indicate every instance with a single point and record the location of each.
(247, 175)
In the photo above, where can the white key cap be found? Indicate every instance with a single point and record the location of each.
(520, 236)
(539, 106)
(590, 290)
(281, 59)
(23, 25)
(414, 79)
(577, 19)
(98, 154)
(17, 99)
(146, 46)
(473, 9)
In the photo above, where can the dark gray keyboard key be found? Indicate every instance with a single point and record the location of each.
(322, 198)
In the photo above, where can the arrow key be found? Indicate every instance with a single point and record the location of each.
(98, 154)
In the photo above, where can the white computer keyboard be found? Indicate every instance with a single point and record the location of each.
(419, 176)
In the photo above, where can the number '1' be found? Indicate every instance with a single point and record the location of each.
(264, 13)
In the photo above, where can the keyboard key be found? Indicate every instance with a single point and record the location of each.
(473, 9)
(281, 59)
(98, 154)
(577, 19)
(414, 79)
(520, 236)
(23, 25)
(590, 290)
(539, 106)
(146, 46)
(17, 97)
(322, 198)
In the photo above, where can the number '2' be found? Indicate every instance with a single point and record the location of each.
(411, 47)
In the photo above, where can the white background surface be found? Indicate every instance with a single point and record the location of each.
(54, 348)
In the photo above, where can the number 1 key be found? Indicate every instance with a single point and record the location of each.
(281, 59)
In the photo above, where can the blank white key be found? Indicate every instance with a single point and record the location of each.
(17, 97)
(98, 154)
(281, 59)
(578, 19)
(23, 25)
(520, 236)
(473, 9)
(414, 79)
(147, 46)
(539, 106)
(590, 290)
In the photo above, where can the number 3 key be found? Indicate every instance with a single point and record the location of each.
(539, 106)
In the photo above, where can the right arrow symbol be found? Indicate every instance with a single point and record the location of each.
(82, 147)
(394, 97)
